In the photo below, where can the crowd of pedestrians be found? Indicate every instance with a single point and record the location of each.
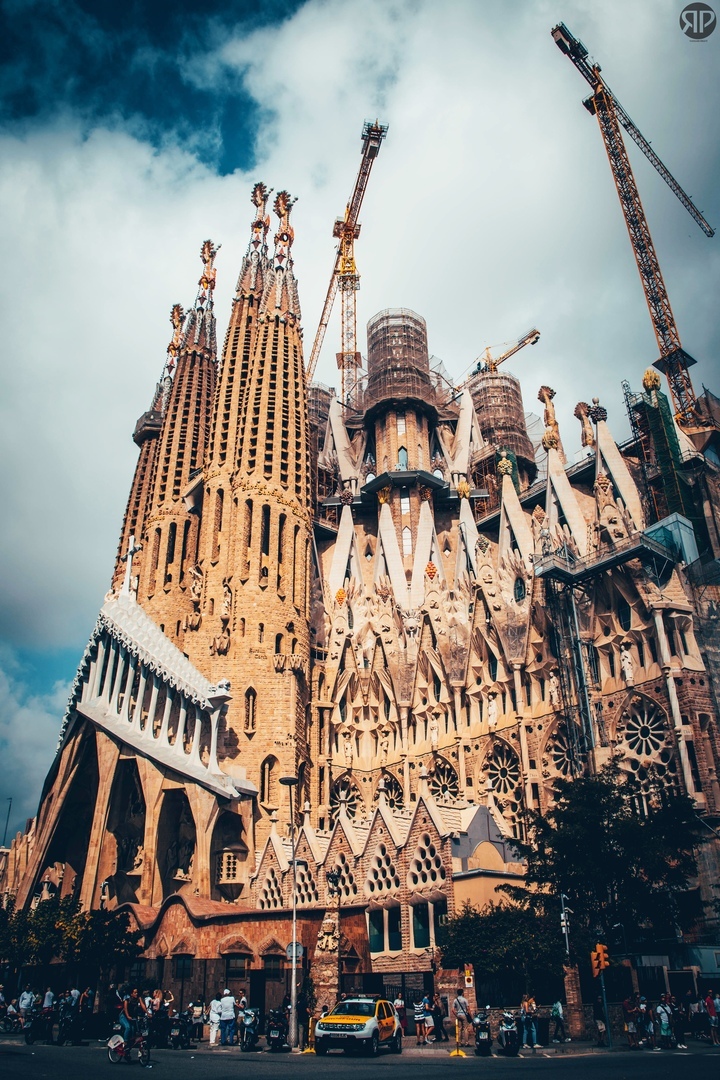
(666, 1024)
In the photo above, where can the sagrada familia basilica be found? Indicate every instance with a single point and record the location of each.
(401, 599)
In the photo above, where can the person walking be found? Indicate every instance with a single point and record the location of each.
(630, 1008)
(25, 1003)
(528, 1008)
(556, 1014)
(419, 1013)
(214, 1014)
(438, 1012)
(461, 1012)
(712, 1014)
(645, 1024)
(599, 1018)
(227, 1019)
(664, 1016)
(678, 1022)
(399, 1006)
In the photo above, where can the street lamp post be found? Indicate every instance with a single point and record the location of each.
(290, 782)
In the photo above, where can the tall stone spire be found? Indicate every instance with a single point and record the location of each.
(171, 532)
(251, 623)
(146, 436)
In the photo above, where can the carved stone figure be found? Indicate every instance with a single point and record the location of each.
(227, 600)
(627, 664)
(328, 938)
(347, 749)
(434, 732)
(582, 410)
(551, 438)
(384, 746)
(554, 690)
(492, 710)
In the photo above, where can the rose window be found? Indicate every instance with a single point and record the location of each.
(645, 728)
(444, 783)
(503, 770)
(345, 791)
(394, 796)
(562, 752)
(382, 875)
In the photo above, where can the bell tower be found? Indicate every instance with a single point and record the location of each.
(251, 622)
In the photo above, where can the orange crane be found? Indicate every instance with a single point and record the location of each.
(674, 361)
(345, 276)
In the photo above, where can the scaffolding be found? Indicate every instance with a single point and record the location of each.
(498, 402)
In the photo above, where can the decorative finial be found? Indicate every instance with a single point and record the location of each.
(177, 315)
(582, 412)
(463, 488)
(651, 381)
(597, 412)
(285, 235)
(261, 223)
(207, 279)
(504, 465)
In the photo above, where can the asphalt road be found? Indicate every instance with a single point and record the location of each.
(20, 1062)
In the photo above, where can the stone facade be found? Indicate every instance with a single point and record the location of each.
(378, 599)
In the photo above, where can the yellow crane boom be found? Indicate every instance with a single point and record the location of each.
(344, 275)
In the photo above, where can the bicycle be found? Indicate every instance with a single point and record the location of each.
(137, 1050)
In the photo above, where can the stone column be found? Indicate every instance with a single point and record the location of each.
(674, 703)
(524, 756)
(108, 752)
(573, 997)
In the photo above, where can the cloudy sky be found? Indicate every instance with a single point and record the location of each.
(130, 133)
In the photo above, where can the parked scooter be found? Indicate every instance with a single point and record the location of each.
(508, 1038)
(69, 1023)
(276, 1030)
(249, 1028)
(181, 1030)
(481, 1027)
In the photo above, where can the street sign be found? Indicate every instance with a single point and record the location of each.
(298, 950)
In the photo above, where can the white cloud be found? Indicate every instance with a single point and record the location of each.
(491, 207)
(29, 726)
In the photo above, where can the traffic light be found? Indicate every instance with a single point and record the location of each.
(599, 960)
(564, 922)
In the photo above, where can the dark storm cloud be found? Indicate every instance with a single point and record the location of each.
(127, 62)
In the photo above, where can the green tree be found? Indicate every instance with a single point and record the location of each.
(616, 856)
(505, 941)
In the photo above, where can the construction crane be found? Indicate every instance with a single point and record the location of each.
(674, 361)
(345, 276)
(489, 363)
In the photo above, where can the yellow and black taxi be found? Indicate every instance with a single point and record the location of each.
(359, 1023)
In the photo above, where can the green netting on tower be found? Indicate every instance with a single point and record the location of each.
(505, 451)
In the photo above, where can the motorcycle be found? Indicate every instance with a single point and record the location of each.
(39, 1025)
(181, 1031)
(249, 1029)
(69, 1024)
(481, 1027)
(11, 1023)
(508, 1038)
(276, 1030)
